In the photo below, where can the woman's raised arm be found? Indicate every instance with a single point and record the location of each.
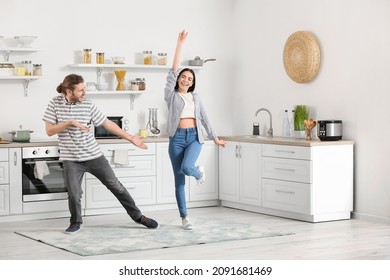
(180, 41)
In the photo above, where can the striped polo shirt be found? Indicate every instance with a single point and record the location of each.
(75, 144)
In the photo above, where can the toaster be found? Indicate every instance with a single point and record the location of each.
(330, 130)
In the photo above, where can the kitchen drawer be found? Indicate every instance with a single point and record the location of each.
(284, 151)
(108, 149)
(4, 178)
(142, 189)
(286, 196)
(3, 154)
(286, 169)
(138, 166)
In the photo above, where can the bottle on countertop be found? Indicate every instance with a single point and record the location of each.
(286, 125)
(292, 129)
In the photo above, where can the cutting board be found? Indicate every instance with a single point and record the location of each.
(5, 142)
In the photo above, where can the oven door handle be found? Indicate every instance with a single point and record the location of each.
(49, 161)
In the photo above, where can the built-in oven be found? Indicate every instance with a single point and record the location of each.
(102, 133)
(42, 174)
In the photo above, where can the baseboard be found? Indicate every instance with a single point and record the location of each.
(370, 218)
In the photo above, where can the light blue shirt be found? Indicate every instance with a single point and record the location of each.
(175, 107)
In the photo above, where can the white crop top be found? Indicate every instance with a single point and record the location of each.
(189, 105)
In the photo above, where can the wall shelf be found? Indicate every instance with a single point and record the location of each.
(7, 51)
(26, 80)
(127, 66)
(99, 70)
(130, 93)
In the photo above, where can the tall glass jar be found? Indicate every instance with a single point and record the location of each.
(148, 59)
(27, 68)
(87, 56)
(162, 59)
(100, 58)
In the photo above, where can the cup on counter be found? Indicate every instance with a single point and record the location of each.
(143, 133)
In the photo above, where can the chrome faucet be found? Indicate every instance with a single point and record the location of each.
(270, 131)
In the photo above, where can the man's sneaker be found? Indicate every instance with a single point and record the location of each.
(73, 228)
(148, 222)
(187, 225)
(202, 179)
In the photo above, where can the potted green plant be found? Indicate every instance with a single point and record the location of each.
(301, 113)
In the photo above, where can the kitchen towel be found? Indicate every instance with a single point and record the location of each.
(120, 157)
(41, 169)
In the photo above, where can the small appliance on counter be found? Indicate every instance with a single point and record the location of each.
(102, 133)
(330, 130)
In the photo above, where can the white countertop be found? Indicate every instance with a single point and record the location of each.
(246, 138)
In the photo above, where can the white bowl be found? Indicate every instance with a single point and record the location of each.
(25, 41)
(118, 59)
(101, 86)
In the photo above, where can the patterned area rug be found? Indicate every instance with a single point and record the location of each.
(114, 238)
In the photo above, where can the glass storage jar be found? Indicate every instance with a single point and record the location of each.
(141, 83)
(37, 69)
(87, 56)
(27, 68)
(134, 86)
(162, 59)
(100, 58)
(148, 59)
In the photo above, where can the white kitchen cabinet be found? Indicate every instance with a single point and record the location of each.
(15, 178)
(240, 173)
(194, 193)
(138, 177)
(208, 158)
(4, 182)
(311, 182)
(308, 183)
(165, 178)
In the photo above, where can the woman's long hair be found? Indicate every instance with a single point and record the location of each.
(191, 88)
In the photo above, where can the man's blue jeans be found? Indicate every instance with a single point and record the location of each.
(184, 149)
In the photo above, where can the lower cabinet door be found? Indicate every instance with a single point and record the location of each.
(286, 196)
(142, 189)
(4, 199)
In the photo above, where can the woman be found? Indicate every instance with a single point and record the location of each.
(186, 121)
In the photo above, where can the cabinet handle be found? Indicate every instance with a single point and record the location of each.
(236, 151)
(15, 158)
(130, 150)
(284, 151)
(284, 169)
(288, 192)
(125, 166)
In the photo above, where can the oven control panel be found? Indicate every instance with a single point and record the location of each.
(40, 152)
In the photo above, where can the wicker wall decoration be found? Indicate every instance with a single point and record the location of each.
(302, 57)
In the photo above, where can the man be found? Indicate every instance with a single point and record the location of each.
(70, 115)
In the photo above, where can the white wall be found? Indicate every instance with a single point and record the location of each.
(118, 28)
(247, 38)
(353, 83)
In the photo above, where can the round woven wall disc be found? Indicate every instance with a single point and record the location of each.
(301, 57)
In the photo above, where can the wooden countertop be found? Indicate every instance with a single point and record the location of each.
(284, 141)
(244, 138)
(158, 139)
